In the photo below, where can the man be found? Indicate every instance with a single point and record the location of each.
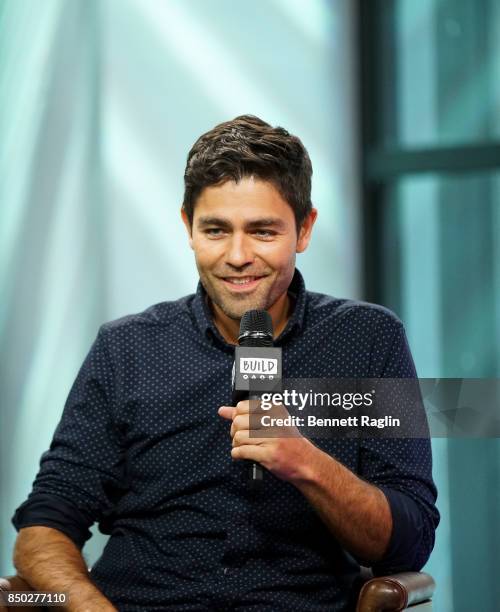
(141, 450)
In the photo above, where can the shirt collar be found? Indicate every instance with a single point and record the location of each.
(204, 320)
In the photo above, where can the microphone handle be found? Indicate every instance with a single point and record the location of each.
(256, 472)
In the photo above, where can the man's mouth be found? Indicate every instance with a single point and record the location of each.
(241, 283)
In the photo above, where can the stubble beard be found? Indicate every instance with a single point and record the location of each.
(234, 307)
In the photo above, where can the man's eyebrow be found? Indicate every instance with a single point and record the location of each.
(219, 221)
(274, 222)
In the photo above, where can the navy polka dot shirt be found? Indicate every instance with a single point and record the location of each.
(141, 450)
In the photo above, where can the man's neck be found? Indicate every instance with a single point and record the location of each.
(229, 328)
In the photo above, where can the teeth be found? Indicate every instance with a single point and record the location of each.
(241, 281)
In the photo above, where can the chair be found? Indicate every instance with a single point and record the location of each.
(393, 593)
(408, 590)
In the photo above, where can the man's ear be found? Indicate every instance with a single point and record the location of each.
(306, 231)
(188, 227)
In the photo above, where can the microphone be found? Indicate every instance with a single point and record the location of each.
(256, 330)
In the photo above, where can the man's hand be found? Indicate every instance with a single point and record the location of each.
(355, 511)
(280, 448)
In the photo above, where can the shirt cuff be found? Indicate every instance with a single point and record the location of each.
(49, 510)
(406, 536)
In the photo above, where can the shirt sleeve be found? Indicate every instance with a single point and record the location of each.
(81, 476)
(402, 469)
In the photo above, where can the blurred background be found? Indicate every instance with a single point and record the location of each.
(398, 103)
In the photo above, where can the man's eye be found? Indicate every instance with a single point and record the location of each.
(264, 233)
(214, 231)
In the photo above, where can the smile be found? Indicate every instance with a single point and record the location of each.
(241, 283)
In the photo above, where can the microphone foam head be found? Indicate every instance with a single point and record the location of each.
(256, 328)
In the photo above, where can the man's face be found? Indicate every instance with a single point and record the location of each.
(244, 239)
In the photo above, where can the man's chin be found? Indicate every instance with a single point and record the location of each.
(236, 311)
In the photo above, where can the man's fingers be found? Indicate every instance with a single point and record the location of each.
(244, 418)
(243, 407)
(240, 421)
(242, 436)
(226, 412)
(249, 451)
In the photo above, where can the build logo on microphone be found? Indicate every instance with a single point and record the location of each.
(261, 367)
(258, 365)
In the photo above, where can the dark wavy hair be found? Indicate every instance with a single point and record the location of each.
(248, 146)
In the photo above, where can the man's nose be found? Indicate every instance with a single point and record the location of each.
(240, 252)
